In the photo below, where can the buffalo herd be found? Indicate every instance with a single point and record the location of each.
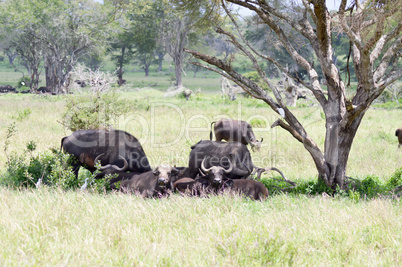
(213, 166)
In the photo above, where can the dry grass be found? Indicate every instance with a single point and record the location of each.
(68, 228)
(51, 227)
(167, 127)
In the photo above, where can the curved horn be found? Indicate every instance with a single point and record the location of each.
(97, 158)
(203, 166)
(230, 165)
(117, 168)
(240, 172)
(237, 171)
(262, 139)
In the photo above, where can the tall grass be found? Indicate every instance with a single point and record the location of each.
(45, 227)
(167, 127)
(54, 227)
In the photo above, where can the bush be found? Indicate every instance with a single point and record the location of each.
(24, 171)
(93, 111)
(23, 83)
(395, 180)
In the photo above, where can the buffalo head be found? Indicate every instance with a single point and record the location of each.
(163, 173)
(255, 144)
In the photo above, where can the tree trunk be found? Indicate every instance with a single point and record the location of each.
(146, 69)
(161, 55)
(120, 71)
(177, 70)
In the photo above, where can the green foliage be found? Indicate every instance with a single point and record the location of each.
(23, 171)
(252, 76)
(23, 83)
(23, 114)
(313, 188)
(93, 111)
(395, 180)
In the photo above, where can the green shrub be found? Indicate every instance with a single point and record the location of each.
(23, 83)
(253, 76)
(25, 170)
(93, 111)
(395, 180)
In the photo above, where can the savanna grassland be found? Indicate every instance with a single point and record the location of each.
(49, 226)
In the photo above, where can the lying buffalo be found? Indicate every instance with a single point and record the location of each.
(235, 131)
(114, 149)
(234, 158)
(248, 188)
(150, 183)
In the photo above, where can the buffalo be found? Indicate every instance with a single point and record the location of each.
(114, 149)
(150, 183)
(248, 188)
(235, 131)
(234, 158)
(398, 133)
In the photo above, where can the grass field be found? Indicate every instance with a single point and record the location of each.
(75, 229)
(54, 227)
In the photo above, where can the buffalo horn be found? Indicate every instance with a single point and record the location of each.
(117, 168)
(230, 165)
(203, 166)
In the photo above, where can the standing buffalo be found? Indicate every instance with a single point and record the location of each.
(115, 149)
(234, 159)
(149, 183)
(235, 131)
(398, 133)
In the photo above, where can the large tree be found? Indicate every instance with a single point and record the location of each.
(374, 31)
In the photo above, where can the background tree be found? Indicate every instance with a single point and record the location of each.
(122, 52)
(374, 30)
(178, 23)
(57, 32)
(146, 18)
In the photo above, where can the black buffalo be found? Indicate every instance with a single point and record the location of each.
(235, 131)
(398, 134)
(114, 149)
(150, 183)
(248, 188)
(233, 158)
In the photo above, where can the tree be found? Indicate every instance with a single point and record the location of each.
(72, 29)
(56, 33)
(178, 23)
(374, 30)
(146, 19)
(123, 44)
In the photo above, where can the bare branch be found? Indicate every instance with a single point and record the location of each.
(386, 59)
(391, 77)
(352, 36)
(224, 74)
(384, 41)
(236, 77)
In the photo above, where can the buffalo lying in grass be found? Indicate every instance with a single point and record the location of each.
(150, 183)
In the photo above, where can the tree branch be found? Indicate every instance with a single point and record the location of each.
(383, 41)
(386, 59)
